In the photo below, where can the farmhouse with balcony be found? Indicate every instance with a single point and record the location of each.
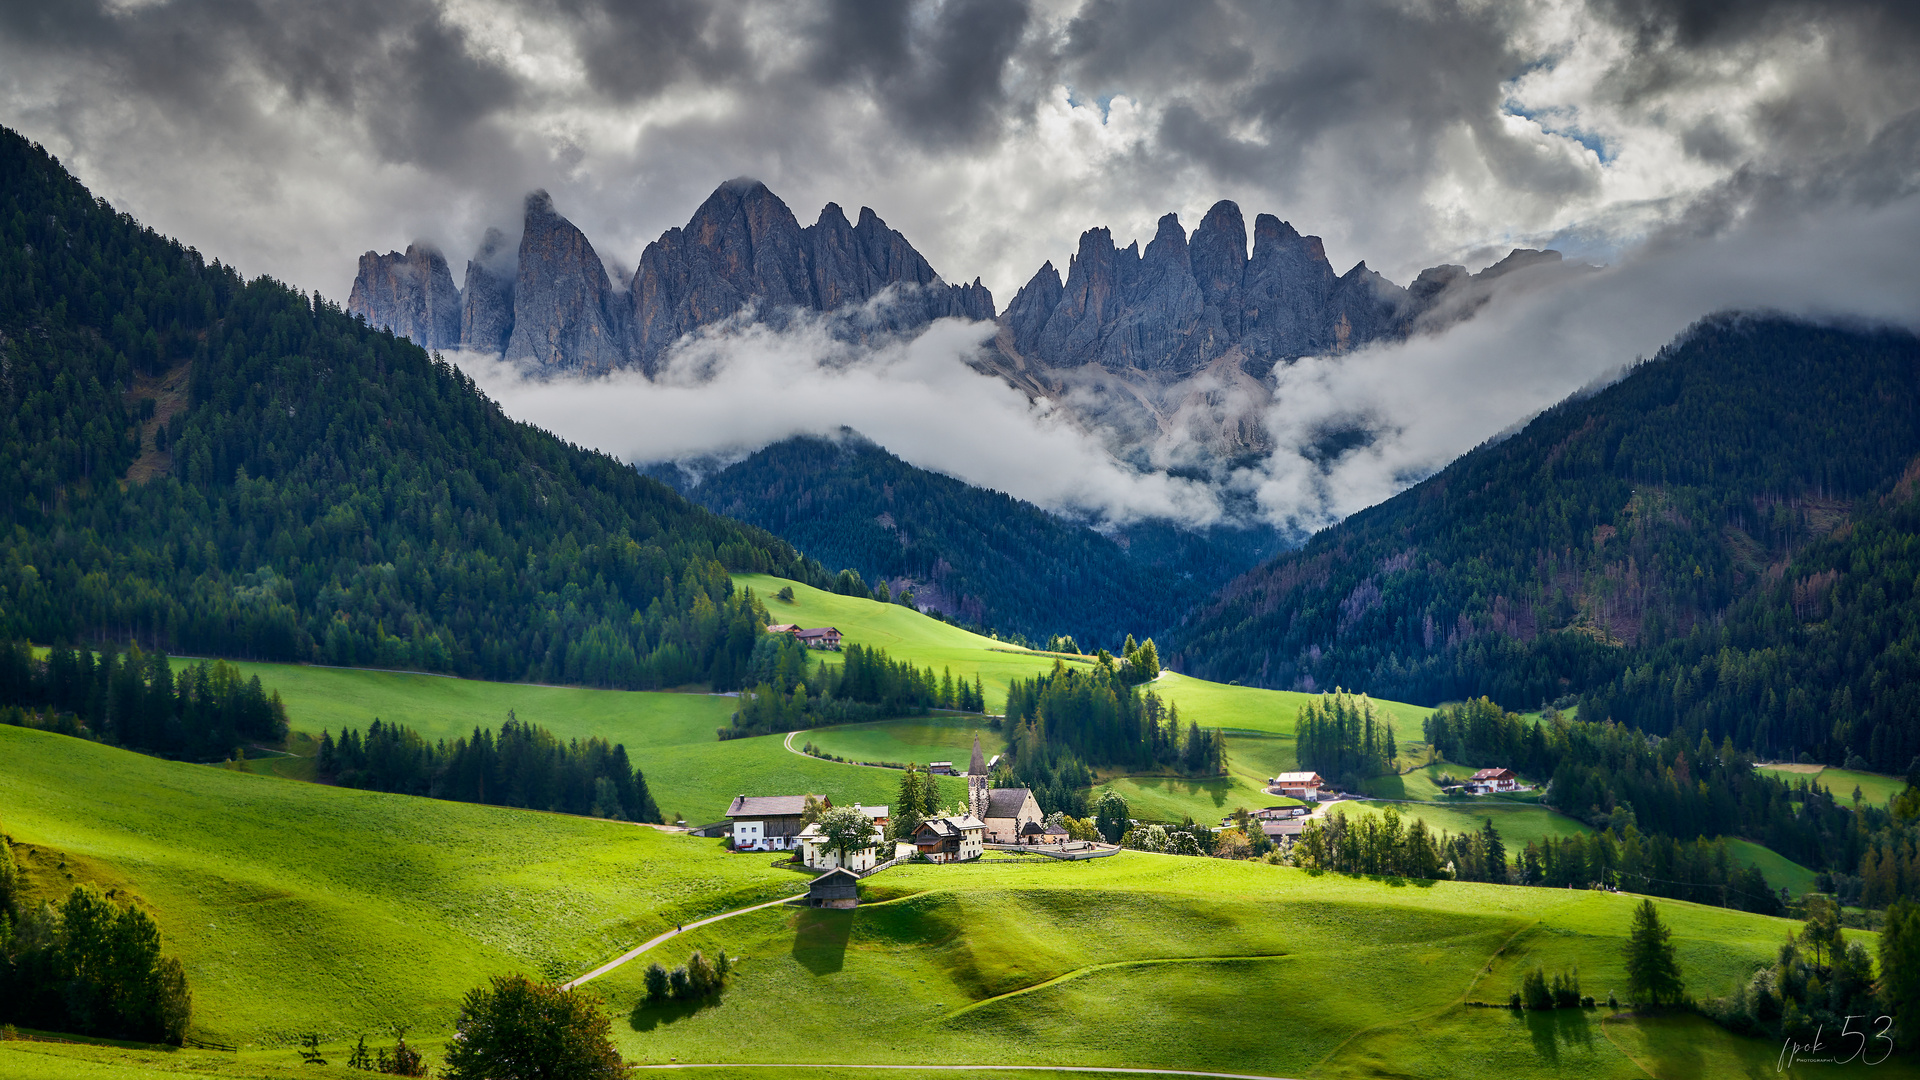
(768, 822)
(823, 637)
(1297, 785)
(1490, 780)
(950, 839)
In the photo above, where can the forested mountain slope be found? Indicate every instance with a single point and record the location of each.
(321, 490)
(1717, 540)
(979, 556)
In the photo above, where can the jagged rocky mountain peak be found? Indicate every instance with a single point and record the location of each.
(410, 293)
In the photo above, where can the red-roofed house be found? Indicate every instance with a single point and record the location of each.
(1493, 780)
(1297, 785)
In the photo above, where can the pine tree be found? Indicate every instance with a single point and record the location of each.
(1653, 972)
(1496, 853)
(906, 811)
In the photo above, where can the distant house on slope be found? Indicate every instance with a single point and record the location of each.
(782, 628)
(1297, 785)
(824, 637)
(1490, 780)
(768, 822)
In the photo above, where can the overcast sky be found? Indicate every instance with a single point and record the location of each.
(288, 137)
(1709, 154)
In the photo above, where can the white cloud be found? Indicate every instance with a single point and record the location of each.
(735, 389)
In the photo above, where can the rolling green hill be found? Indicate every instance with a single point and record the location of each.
(300, 907)
(297, 907)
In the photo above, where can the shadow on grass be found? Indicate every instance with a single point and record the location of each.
(1552, 1029)
(820, 939)
(646, 1017)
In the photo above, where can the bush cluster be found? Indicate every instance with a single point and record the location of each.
(695, 980)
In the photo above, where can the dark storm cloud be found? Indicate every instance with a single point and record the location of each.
(939, 71)
(1705, 23)
(395, 65)
(636, 49)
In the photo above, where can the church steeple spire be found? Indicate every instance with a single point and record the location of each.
(977, 783)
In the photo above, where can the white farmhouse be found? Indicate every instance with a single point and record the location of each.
(767, 822)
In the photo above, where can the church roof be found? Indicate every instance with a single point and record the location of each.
(1006, 802)
(979, 766)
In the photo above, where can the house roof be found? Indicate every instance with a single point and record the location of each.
(979, 766)
(1493, 774)
(838, 883)
(949, 826)
(818, 632)
(782, 628)
(871, 811)
(813, 832)
(1006, 802)
(1032, 828)
(1283, 828)
(1297, 778)
(758, 806)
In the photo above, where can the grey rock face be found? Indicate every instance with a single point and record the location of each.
(743, 245)
(486, 322)
(411, 294)
(566, 316)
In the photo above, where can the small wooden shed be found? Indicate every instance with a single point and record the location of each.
(837, 888)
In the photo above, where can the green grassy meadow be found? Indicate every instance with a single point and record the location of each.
(1875, 789)
(1217, 966)
(669, 736)
(299, 907)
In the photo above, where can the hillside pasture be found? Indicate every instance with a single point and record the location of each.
(299, 907)
(1875, 789)
(669, 737)
(1028, 963)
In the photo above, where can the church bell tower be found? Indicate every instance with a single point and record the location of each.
(977, 783)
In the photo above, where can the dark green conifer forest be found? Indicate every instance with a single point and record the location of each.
(1722, 544)
(983, 558)
(326, 493)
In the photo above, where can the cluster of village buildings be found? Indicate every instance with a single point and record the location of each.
(994, 816)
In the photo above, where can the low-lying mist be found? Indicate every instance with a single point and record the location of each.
(1402, 410)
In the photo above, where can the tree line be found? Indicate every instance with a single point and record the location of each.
(1614, 777)
(134, 699)
(1344, 737)
(1390, 845)
(1098, 715)
(866, 685)
(524, 765)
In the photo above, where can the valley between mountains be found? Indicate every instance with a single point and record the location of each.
(344, 693)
